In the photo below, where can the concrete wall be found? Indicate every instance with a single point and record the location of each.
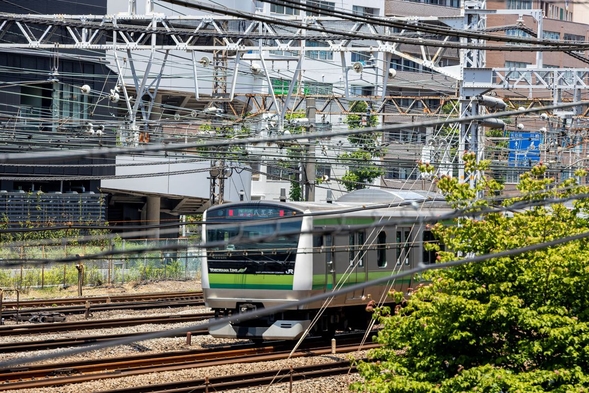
(164, 175)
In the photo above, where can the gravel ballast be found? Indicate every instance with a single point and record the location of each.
(162, 345)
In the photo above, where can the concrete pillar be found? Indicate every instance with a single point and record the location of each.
(153, 215)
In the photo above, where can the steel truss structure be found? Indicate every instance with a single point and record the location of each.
(236, 39)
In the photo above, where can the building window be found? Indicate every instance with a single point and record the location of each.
(517, 33)
(361, 57)
(365, 11)
(279, 172)
(518, 75)
(317, 88)
(443, 3)
(280, 86)
(280, 9)
(402, 173)
(323, 171)
(574, 39)
(326, 5)
(318, 54)
(551, 35)
(405, 65)
(362, 90)
(519, 4)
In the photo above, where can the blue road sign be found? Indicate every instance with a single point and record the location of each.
(524, 148)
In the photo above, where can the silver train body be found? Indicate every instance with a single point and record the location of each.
(301, 249)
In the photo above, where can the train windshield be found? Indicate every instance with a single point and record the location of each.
(253, 227)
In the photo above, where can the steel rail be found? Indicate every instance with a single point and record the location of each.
(102, 299)
(24, 312)
(24, 329)
(78, 341)
(61, 374)
(248, 380)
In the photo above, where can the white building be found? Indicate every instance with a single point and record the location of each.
(268, 71)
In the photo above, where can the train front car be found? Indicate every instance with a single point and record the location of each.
(254, 264)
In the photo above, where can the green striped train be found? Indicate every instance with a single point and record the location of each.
(266, 253)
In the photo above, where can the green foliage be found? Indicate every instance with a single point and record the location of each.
(451, 108)
(292, 127)
(362, 168)
(234, 152)
(296, 191)
(510, 324)
(358, 117)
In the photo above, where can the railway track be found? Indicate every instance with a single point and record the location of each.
(23, 308)
(247, 380)
(32, 329)
(78, 341)
(34, 377)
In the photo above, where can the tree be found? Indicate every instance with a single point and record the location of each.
(510, 324)
(362, 169)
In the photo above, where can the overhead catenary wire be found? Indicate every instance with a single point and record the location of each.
(275, 309)
(339, 229)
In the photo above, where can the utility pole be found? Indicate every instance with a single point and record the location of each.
(310, 169)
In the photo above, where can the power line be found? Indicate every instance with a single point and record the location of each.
(276, 309)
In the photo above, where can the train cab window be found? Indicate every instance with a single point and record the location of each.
(429, 256)
(356, 241)
(381, 249)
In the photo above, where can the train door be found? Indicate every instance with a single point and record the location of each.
(330, 271)
(403, 242)
(357, 257)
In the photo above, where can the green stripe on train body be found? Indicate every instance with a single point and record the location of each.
(343, 221)
(319, 281)
(251, 281)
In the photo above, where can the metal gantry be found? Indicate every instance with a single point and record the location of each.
(240, 44)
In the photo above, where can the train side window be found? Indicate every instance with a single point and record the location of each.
(403, 247)
(317, 241)
(407, 246)
(381, 249)
(429, 256)
(356, 241)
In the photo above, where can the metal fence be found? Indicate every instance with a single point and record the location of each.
(20, 206)
(141, 260)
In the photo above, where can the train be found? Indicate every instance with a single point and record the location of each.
(261, 254)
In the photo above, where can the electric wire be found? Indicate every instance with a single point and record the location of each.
(301, 302)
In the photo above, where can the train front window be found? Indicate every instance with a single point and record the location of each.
(255, 235)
